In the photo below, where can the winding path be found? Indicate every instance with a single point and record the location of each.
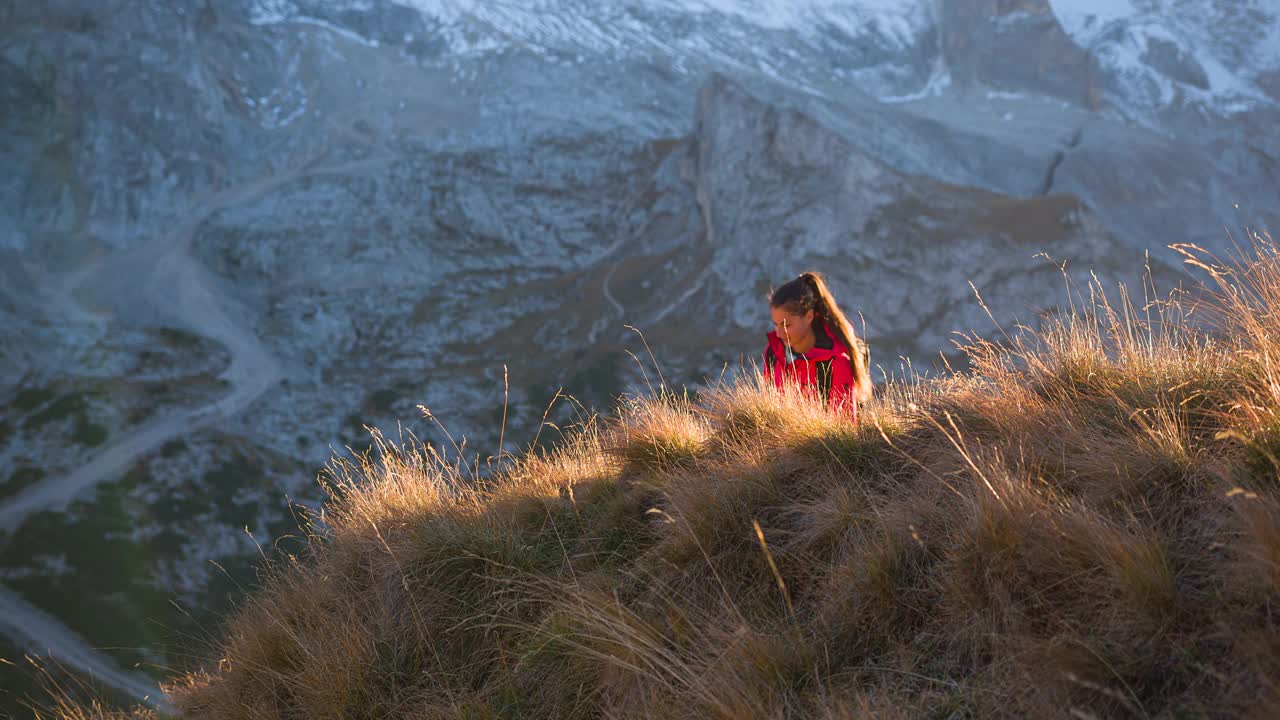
(253, 371)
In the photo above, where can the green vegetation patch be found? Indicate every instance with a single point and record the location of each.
(89, 433)
(106, 564)
(29, 399)
(380, 401)
(179, 338)
(69, 405)
(21, 478)
(44, 406)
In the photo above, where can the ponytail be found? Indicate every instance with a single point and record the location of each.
(825, 310)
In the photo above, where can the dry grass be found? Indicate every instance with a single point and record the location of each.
(1087, 524)
(65, 709)
(68, 696)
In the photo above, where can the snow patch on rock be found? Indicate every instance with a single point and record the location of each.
(1166, 52)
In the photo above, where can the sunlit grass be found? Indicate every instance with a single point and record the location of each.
(1085, 524)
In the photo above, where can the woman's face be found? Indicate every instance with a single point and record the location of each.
(793, 329)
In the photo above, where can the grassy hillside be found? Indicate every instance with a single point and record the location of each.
(1086, 524)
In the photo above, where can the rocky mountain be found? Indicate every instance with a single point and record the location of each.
(235, 232)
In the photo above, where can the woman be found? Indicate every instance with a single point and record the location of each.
(810, 346)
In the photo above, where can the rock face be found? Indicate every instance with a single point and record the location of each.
(235, 232)
(759, 193)
(1017, 46)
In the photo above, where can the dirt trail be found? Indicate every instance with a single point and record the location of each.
(253, 371)
(197, 304)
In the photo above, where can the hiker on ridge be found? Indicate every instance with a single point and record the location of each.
(809, 346)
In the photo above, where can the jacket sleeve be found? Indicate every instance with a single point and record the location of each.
(843, 395)
(766, 368)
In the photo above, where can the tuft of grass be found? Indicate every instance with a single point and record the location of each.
(663, 435)
(1257, 550)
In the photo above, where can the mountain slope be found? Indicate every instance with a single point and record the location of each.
(372, 205)
(1087, 524)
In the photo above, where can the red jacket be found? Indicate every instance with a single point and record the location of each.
(825, 371)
